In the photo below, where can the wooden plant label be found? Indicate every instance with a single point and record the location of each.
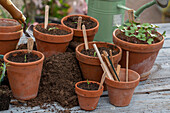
(85, 37)
(46, 16)
(30, 44)
(79, 22)
(131, 15)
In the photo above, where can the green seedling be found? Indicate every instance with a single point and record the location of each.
(52, 28)
(25, 58)
(145, 32)
(94, 54)
(75, 22)
(88, 83)
(2, 70)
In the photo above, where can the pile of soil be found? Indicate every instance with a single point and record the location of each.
(72, 22)
(133, 39)
(60, 74)
(22, 57)
(5, 97)
(52, 30)
(91, 86)
(91, 52)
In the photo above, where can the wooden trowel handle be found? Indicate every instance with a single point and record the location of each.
(13, 10)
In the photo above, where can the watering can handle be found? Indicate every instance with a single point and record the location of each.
(13, 10)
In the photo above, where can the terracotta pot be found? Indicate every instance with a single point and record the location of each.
(90, 66)
(88, 99)
(78, 34)
(120, 93)
(9, 25)
(24, 78)
(8, 41)
(141, 56)
(52, 44)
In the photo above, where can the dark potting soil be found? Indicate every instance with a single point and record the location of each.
(59, 76)
(22, 57)
(4, 97)
(91, 52)
(91, 86)
(72, 22)
(52, 30)
(24, 46)
(133, 39)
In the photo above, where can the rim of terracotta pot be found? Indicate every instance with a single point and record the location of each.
(88, 93)
(85, 16)
(137, 47)
(123, 85)
(54, 38)
(10, 27)
(5, 36)
(24, 64)
(95, 59)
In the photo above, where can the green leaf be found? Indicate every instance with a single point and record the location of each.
(88, 82)
(145, 25)
(127, 33)
(94, 54)
(128, 24)
(121, 27)
(163, 34)
(149, 41)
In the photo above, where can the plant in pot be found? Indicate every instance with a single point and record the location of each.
(88, 94)
(24, 72)
(91, 24)
(89, 61)
(4, 90)
(52, 40)
(10, 33)
(143, 43)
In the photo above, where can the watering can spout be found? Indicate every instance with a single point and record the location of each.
(13, 10)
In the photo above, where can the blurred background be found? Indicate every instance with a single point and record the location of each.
(34, 10)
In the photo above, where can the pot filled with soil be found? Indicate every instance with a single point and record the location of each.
(9, 25)
(89, 62)
(24, 72)
(120, 93)
(5, 97)
(143, 44)
(53, 40)
(9, 40)
(88, 94)
(91, 24)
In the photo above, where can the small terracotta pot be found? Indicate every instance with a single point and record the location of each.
(9, 25)
(120, 93)
(52, 44)
(141, 56)
(8, 41)
(91, 66)
(88, 99)
(78, 34)
(24, 78)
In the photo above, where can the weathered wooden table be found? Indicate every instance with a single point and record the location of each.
(152, 95)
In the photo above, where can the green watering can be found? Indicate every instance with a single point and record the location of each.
(110, 13)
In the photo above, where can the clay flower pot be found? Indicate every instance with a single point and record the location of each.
(88, 99)
(9, 25)
(8, 41)
(52, 44)
(78, 34)
(120, 93)
(24, 78)
(91, 66)
(141, 56)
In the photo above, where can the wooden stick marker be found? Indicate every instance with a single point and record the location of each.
(79, 22)
(127, 63)
(85, 37)
(46, 16)
(102, 80)
(118, 70)
(30, 44)
(103, 63)
(131, 15)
